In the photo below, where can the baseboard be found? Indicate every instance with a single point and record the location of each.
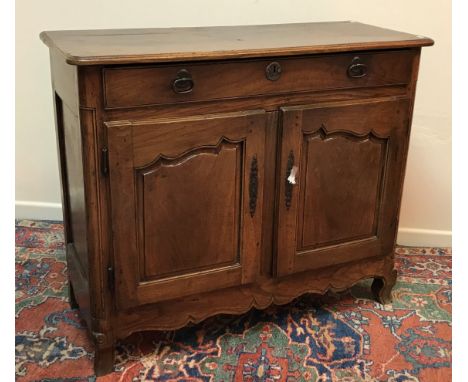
(406, 236)
(25, 209)
(419, 237)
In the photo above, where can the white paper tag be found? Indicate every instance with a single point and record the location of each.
(292, 175)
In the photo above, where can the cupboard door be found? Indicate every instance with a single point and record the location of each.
(186, 199)
(345, 164)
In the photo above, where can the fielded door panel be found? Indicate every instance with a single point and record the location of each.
(342, 168)
(186, 200)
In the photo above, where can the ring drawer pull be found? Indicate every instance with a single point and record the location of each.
(183, 83)
(357, 69)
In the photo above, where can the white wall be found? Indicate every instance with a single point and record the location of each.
(426, 209)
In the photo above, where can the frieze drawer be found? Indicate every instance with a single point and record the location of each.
(191, 82)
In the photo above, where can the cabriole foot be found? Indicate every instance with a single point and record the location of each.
(382, 287)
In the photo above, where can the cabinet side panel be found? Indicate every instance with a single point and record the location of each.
(76, 203)
(78, 95)
(412, 90)
(68, 139)
(65, 85)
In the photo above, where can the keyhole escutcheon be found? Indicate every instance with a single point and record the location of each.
(273, 71)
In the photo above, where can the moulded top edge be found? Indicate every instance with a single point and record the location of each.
(125, 46)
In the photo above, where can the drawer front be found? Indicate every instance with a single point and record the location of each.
(191, 82)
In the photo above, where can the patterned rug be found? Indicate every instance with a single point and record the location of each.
(336, 337)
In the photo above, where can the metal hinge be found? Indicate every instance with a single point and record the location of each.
(111, 278)
(104, 161)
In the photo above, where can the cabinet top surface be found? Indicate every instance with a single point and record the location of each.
(125, 46)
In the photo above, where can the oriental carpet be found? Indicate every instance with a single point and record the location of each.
(337, 337)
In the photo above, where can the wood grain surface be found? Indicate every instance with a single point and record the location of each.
(123, 46)
(175, 203)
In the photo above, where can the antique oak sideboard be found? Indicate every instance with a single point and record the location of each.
(212, 170)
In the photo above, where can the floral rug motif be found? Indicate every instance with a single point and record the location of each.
(337, 337)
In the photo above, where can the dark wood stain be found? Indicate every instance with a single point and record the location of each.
(175, 236)
(114, 46)
(142, 86)
(175, 146)
(187, 183)
(343, 205)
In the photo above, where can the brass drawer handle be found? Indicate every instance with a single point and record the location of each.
(357, 69)
(183, 83)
